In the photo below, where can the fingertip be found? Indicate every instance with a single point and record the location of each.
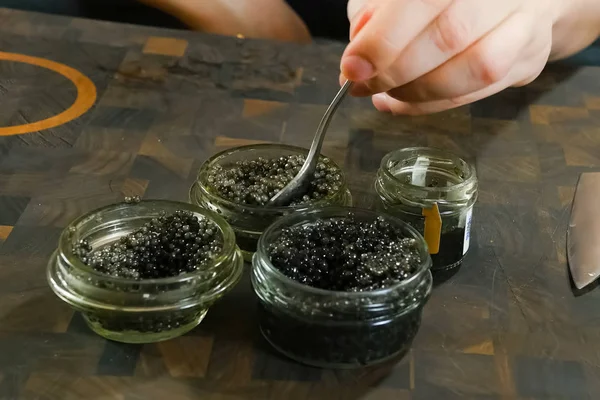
(380, 101)
(356, 68)
(385, 103)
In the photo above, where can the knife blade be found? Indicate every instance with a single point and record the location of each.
(583, 234)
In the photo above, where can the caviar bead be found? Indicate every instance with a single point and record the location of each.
(254, 182)
(345, 254)
(132, 199)
(159, 249)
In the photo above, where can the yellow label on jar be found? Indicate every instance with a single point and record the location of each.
(433, 228)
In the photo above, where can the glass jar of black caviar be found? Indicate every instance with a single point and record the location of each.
(339, 328)
(434, 191)
(249, 220)
(140, 310)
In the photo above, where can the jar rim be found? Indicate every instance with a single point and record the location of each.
(224, 153)
(471, 178)
(229, 244)
(333, 212)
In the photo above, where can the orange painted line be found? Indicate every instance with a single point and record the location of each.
(86, 95)
(5, 231)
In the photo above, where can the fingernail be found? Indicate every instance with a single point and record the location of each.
(380, 102)
(357, 68)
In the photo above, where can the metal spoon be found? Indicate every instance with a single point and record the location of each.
(299, 184)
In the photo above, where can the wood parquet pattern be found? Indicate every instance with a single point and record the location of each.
(507, 326)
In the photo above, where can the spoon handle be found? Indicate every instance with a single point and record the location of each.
(317, 143)
(302, 179)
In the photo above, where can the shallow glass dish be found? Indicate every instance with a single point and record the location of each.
(336, 329)
(249, 221)
(139, 311)
(411, 181)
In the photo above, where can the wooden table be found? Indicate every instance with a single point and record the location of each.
(508, 325)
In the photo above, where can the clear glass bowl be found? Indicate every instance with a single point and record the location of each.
(249, 221)
(139, 311)
(412, 180)
(335, 329)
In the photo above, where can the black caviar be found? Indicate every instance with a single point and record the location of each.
(254, 182)
(351, 322)
(451, 249)
(452, 236)
(132, 199)
(345, 254)
(167, 246)
(455, 230)
(339, 345)
(452, 240)
(148, 324)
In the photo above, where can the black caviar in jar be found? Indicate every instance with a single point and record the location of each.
(454, 238)
(455, 230)
(145, 271)
(166, 246)
(255, 182)
(345, 254)
(339, 345)
(147, 324)
(452, 241)
(451, 252)
(350, 290)
(411, 182)
(238, 183)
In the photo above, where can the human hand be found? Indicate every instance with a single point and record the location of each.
(425, 56)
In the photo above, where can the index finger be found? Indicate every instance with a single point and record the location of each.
(391, 27)
(354, 7)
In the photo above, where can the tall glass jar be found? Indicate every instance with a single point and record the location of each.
(139, 311)
(434, 191)
(337, 329)
(249, 221)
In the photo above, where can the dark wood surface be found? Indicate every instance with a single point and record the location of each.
(508, 325)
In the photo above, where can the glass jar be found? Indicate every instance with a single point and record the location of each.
(249, 221)
(434, 191)
(139, 311)
(337, 329)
